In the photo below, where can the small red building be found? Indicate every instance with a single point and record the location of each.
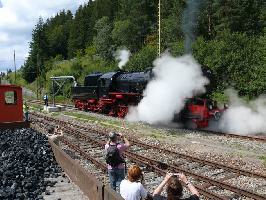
(11, 107)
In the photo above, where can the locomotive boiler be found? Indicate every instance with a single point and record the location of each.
(112, 93)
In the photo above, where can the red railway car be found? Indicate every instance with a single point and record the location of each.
(11, 107)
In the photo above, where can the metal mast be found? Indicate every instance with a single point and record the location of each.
(15, 66)
(159, 28)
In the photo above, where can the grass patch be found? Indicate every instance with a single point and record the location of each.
(263, 158)
(55, 114)
(81, 116)
(36, 107)
(104, 122)
(156, 135)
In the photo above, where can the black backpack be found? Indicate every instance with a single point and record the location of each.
(113, 157)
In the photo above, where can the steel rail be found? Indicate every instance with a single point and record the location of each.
(248, 137)
(140, 161)
(200, 177)
(195, 159)
(213, 182)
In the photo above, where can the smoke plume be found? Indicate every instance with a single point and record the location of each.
(244, 117)
(174, 80)
(189, 22)
(123, 56)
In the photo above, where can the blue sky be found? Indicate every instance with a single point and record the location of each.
(18, 18)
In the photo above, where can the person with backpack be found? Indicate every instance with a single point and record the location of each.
(114, 158)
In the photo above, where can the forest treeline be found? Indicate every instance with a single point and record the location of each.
(228, 38)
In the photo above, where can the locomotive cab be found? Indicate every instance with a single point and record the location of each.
(105, 83)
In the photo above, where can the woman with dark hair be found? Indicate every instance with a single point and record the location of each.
(174, 188)
(132, 188)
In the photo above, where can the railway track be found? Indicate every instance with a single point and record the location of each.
(212, 179)
(229, 135)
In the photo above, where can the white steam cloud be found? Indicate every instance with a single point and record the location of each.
(123, 56)
(242, 117)
(175, 79)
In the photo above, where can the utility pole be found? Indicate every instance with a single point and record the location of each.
(159, 28)
(15, 66)
(37, 77)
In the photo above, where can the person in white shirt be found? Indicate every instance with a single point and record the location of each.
(132, 188)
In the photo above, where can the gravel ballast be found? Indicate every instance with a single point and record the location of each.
(27, 162)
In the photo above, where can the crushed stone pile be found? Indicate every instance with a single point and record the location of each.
(26, 163)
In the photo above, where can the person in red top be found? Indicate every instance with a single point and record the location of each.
(116, 173)
(174, 188)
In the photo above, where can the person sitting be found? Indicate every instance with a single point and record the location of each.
(132, 188)
(174, 188)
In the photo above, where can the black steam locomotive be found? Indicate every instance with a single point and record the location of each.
(112, 93)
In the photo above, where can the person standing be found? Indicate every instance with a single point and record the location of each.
(114, 158)
(26, 111)
(45, 98)
(132, 188)
(174, 188)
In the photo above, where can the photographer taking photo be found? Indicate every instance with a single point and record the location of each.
(174, 188)
(114, 158)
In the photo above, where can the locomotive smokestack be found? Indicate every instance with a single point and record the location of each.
(189, 23)
(175, 79)
(123, 57)
(242, 117)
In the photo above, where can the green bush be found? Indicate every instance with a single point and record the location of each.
(142, 59)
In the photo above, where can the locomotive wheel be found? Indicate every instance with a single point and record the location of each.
(122, 111)
(217, 116)
(191, 124)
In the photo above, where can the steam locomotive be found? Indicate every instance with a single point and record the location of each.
(112, 93)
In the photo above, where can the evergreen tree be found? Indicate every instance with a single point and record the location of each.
(103, 41)
(34, 64)
(81, 29)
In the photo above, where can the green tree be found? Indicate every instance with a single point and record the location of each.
(103, 41)
(238, 16)
(124, 34)
(34, 65)
(236, 60)
(57, 33)
(81, 29)
(143, 59)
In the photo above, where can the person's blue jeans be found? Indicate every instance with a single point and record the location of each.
(115, 177)
(26, 116)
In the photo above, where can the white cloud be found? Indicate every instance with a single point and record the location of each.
(18, 18)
